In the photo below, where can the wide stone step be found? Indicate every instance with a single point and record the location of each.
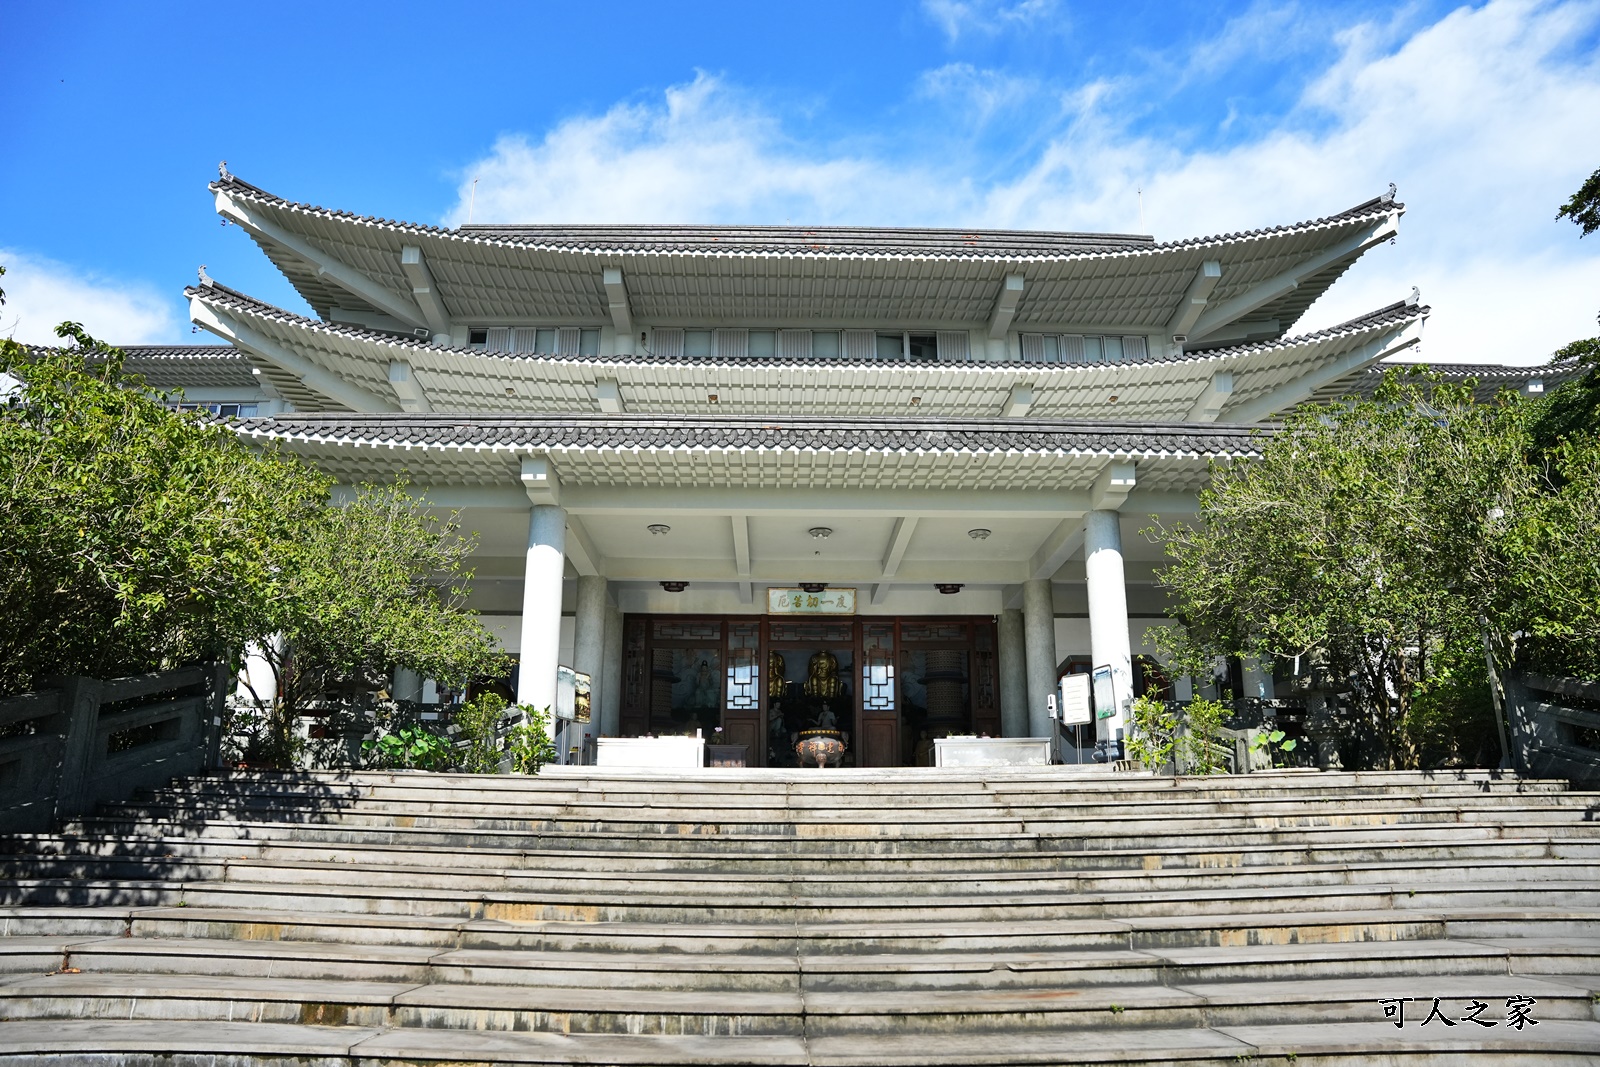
(931, 865)
(182, 949)
(800, 890)
(931, 1013)
(991, 843)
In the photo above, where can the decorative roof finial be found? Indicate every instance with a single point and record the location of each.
(1390, 194)
(1415, 298)
(205, 279)
(222, 171)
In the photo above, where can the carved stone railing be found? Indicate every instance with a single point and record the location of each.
(87, 741)
(1555, 727)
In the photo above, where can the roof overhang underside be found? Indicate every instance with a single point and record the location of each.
(504, 279)
(328, 367)
(1059, 460)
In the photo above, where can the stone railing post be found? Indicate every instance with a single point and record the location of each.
(80, 711)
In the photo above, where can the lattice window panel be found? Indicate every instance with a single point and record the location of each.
(673, 630)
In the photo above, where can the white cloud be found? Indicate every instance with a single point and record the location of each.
(980, 93)
(704, 154)
(41, 294)
(959, 17)
(1485, 120)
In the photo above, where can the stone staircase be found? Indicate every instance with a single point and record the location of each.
(841, 917)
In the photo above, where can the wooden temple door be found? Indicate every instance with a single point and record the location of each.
(742, 719)
(878, 735)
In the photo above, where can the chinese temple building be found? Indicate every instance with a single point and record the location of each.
(756, 478)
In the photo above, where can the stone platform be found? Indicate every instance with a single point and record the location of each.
(730, 916)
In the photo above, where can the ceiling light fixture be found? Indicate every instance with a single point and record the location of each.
(980, 534)
(813, 587)
(711, 398)
(948, 587)
(915, 401)
(820, 533)
(674, 587)
(1113, 399)
(659, 529)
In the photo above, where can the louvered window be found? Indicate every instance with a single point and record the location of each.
(525, 339)
(499, 339)
(1076, 348)
(733, 344)
(667, 344)
(568, 341)
(860, 345)
(955, 346)
(796, 344)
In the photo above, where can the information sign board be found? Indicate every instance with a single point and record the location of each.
(800, 602)
(1076, 700)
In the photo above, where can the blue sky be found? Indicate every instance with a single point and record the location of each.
(1173, 119)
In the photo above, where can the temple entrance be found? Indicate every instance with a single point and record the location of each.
(890, 686)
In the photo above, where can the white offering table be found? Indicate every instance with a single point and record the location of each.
(991, 752)
(665, 753)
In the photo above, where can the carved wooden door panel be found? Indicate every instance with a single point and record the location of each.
(879, 740)
(985, 682)
(635, 719)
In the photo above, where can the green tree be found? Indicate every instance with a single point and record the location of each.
(371, 583)
(136, 538)
(1373, 533)
(139, 538)
(1557, 551)
(1583, 207)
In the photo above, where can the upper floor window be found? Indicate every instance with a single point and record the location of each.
(1081, 348)
(536, 340)
(242, 411)
(852, 345)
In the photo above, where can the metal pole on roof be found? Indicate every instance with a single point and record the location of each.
(472, 201)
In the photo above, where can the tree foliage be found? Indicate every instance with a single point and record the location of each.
(1372, 536)
(136, 538)
(1583, 207)
(140, 538)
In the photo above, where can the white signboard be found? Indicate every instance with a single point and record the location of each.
(1105, 694)
(800, 602)
(1076, 707)
(572, 695)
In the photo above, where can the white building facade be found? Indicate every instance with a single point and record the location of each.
(749, 478)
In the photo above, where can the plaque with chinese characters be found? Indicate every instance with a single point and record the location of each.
(800, 602)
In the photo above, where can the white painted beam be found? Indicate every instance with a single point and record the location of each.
(1209, 404)
(617, 299)
(608, 394)
(858, 574)
(585, 558)
(264, 383)
(655, 501)
(425, 292)
(1062, 544)
(406, 387)
(341, 274)
(1195, 299)
(314, 377)
(741, 544)
(540, 481)
(1264, 292)
(1112, 487)
(899, 541)
(1018, 402)
(1005, 305)
(747, 592)
(1291, 393)
(880, 593)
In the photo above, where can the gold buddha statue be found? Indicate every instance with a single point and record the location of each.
(822, 676)
(775, 672)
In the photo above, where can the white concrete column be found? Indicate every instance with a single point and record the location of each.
(588, 639)
(1039, 624)
(541, 606)
(1108, 612)
(1013, 675)
(611, 668)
